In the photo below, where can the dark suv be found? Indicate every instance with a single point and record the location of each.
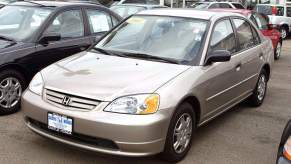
(38, 33)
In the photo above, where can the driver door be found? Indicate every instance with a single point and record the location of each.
(70, 26)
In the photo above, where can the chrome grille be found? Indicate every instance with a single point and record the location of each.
(76, 102)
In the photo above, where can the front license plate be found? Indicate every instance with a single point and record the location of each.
(60, 123)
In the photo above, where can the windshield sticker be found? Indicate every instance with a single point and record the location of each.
(136, 20)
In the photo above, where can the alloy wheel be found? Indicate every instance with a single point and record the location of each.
(182, 133)
(10, 92)
(283, 33)
(262, 87)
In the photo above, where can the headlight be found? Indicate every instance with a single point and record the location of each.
(287, 149)
(135, 104)
(36, 84)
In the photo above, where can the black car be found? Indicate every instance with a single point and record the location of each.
(36, 34)
(284, 153)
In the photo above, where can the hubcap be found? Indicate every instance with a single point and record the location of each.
(278, 50)
(10, 92)
(261, 87)
(182, 133)
(283, 33)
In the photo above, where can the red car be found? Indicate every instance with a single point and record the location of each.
(262, 22)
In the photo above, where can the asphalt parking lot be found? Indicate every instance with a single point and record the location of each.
(242, 135)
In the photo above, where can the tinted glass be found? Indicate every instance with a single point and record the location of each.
(98, 21)
(261, 21)
(238, 6)
(288, 11)
(68, 24)
(244, 34)
(280, 11)
(200, 5)
(213, 6)
(224, 5)
(169, 37)
(21, 22)
(223, 37)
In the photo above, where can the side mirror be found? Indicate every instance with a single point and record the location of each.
(49, 37)
(218, 56)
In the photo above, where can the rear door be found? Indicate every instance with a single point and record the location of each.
(223, 77)
(249, 53)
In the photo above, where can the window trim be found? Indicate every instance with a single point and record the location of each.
(209, 41)
(60, 12)
(109, 19)
(260, 41)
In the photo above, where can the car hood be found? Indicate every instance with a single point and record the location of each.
(106, 77)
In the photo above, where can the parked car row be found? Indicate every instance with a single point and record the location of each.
(133, 87)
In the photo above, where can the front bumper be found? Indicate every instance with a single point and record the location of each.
(111, 133)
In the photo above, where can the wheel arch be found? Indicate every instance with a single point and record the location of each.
(195, 103)
(18, 68)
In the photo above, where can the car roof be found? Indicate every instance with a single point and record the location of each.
(244, 12)
(52, 3)
(188, 13)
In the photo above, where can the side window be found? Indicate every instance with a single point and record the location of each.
(244, 34)
(99, 21)
(288, 11)
(280, 11)
(224, 5)
(256, 36)
(223, 37)
(213, 6)
(262, 21)
(68, 24)
(114, 21)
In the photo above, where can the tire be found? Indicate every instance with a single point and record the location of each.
(170, 154)
(12, 83)
(284, 32)
(259, 93)
(277, 51)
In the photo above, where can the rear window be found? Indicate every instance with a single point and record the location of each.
(238, 6)
(270, 10)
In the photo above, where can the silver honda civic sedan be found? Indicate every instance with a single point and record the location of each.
(147, 85)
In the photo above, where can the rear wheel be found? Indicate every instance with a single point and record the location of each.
(278, 51)
(284, 32)
(259, 93)
(179, 137)
(12, 84)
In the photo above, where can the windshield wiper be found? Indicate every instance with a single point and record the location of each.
(106, 52)
(151, 57)
(7, 38)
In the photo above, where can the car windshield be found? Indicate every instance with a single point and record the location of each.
(20, 22)
(174, 38)
(125, 11)
(200, 5)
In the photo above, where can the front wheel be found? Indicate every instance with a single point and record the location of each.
(278, 50)
(259, 93)
(12, 84)
(179, 137)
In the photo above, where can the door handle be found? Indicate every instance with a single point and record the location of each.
(238, 67)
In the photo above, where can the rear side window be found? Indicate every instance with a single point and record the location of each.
(270, 10)
(238, 6)
(288, 11)
(244, 34)
(223, 37)
(224, 5)
(262, 22)
(214, 6)
(99, 21)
